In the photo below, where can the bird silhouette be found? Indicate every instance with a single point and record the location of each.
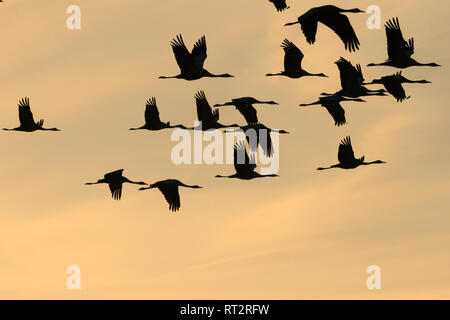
(261, 136)
(169, 188)
(293, 63)
(115, 180)
(351, 81)
(244, 165)
(393, 84)
(347, 158)
(399, 50)
(402, 79)
(333, 106)
(280, 5)
(333, 18)
(245, 107)
(27, 123)
(191, 64)
(206, 115)
(152, 120)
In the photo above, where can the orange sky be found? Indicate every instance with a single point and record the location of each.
(304, 235)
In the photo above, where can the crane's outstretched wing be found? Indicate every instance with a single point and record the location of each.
(115, 183)
(204, 111)
(280, 5)
(341, 25)
(260, 136)
(308, 22)
(350, 75)
(116, 190)
(184, 59)
(199, 52)
(265, 142)
(151, 112)
(292, 57)
(114, 175)
(242, 162)
(249, 112)
(398, 48)
(337, 112)
(25, 115)
(402, 78)
(346, 154)
(393, 85)
(172, 196)
(359, 74)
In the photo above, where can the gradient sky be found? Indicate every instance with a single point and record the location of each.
(304, 235)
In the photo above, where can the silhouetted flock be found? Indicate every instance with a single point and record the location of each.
(191, 68)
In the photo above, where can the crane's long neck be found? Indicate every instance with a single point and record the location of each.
(49, 129)
(267, 175)
(431, 64)
(386, 63)
(416, 81)
(98, 182)
(354, 10)
(189, 186)
(147, 188)
(316, 75)
(309, 104)
(330, 167)
(351, 99)
(139, 128)
(266, 102)
(309, 74)
(330, 94)
(291, 23)
(232, 176)
(224, 104)
(275, 74)
(372, 162)
(170, 77)
(126, 180)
